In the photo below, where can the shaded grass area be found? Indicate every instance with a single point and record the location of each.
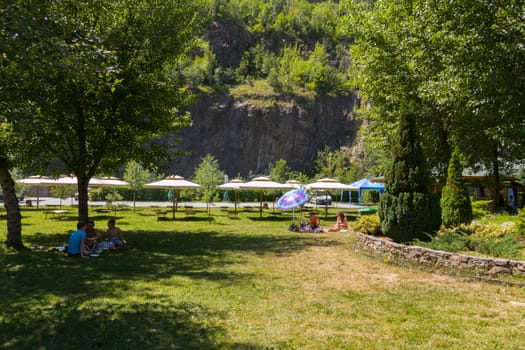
(237, 282)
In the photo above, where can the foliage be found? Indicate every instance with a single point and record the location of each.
(334, 164)
(63, 192)
(280, 171)
(456, 208)
(490, 239)
(449, 240)
(102, 86)
(407, 209)
(112, 196)
(480, 208)
(430, 53)
(17, 174)
(370, 197)
(209, 176)
(136, 176)
(521, 223)
(368, 224)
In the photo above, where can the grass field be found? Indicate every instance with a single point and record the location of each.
(237, 282)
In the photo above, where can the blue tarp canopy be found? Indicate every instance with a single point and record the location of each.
(363, 185)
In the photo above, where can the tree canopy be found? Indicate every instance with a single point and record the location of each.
(461, 63)
(101, 82)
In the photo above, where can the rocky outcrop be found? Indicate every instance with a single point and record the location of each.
(246, 136)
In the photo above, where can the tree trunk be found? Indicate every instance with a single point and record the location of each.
(14, 218)
(496, 204)
(82, 184)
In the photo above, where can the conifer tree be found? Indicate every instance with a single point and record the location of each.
(407, 209)
(455, 202)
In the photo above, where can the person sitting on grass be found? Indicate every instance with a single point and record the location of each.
(340, 225)
(313, 225)
(115, 236)
(76, 246)
(92, 236)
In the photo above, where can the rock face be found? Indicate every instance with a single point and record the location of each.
(229, 42)
(246, 136)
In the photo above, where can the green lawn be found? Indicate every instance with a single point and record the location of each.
(237, 282)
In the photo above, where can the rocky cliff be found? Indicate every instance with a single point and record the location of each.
(246, 136)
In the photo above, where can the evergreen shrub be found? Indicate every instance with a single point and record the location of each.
(407, 209)
(456, 207)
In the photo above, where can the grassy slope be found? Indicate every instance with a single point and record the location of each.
(240, 283)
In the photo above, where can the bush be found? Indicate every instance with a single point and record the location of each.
(409, 216)
(480, 208)
(455, 202)
(492, 240)
(446, 240)
(505, 246)
(368, 224)
(370, 197)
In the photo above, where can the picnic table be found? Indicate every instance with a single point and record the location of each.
(56, 212)
(102, 210)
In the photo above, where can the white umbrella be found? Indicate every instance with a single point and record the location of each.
(263, 183)
(93, 182)
(327, 184)
(234, 185)
(70, 181)
(36, 181)
(294, 183)
(109, 182)
(175, 183)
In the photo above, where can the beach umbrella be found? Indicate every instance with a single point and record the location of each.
(263, 183)
(234, 185)
(174, 183)
(293, 199)
(107, 181)
(327, 184)
(35, 181)
(293, 183)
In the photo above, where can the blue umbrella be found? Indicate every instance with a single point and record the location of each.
(293, 199)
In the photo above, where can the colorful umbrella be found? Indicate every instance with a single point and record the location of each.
(293, 199)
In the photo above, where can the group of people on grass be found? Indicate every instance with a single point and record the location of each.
(86, 240)
(314, 224)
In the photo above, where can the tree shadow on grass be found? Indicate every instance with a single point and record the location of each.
(28, 277)
(152, 255)
(144, 326)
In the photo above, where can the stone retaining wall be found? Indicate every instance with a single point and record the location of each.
(489, 267)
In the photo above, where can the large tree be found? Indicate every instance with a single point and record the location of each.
(102, 81)
(462, 63)
(7, 161)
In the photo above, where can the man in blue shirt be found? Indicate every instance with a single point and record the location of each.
(77, 242)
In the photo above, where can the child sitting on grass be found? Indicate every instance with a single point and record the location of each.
(115, 236)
